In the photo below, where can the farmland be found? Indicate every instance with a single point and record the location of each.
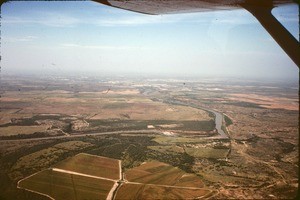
(159, 192)
(64, 186)
(162, 174)
(79, 177)
(69, 179)
(98, 166)
(158, 127)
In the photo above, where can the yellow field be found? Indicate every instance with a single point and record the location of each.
(268, 102)
(151, 111)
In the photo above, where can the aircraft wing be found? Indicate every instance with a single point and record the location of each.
(156, 7)
(260, 9)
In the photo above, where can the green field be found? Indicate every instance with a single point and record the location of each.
(207, 152)
(176, 140)
(167, 148)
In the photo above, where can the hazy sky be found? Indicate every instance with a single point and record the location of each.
(58, 37)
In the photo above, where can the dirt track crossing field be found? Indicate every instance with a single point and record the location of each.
(71, 182)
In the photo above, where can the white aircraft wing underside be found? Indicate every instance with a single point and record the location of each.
(156, 7)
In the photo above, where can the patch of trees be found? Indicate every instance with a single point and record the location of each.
(228, 121)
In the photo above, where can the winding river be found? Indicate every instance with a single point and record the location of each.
(218, 121)
(218, 116)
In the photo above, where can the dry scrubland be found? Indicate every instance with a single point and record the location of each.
(45, 157)
(23, 130)
(94, 106)
(42, 113)
(46, 122)
(264, 147)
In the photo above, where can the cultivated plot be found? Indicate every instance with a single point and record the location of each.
(140, 191)
(155, 172)
(60, 185)
(80, 177)
(92, 165)
(157, 180)
(93, 177)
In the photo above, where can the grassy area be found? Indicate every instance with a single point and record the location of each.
(165, 140)
(118, 124)
(167, 149)
(245, 104)
(228, 121)
(206, 152)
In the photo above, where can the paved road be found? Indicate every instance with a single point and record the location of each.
(83, 135)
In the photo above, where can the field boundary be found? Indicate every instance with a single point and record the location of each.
(117, 182)
(81, 174)
(19, 187)
(169, 186)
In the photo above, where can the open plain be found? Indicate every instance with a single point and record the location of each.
(155, 127)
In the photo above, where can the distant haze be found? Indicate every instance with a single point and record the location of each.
(50, 37)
